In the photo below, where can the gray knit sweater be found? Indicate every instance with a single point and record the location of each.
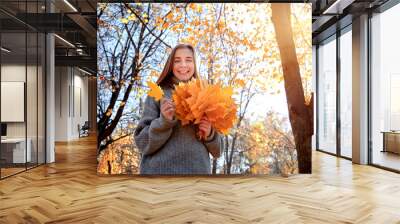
(167, 147)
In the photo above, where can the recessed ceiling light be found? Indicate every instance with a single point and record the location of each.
(5, 50)
(70, 5)
(338, 6)
(64, 40)
(86, 72)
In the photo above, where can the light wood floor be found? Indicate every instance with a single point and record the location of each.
(69, 191)
(9, 171)
(387, 159)
(5, 172)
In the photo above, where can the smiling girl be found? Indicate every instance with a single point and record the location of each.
(166, 146)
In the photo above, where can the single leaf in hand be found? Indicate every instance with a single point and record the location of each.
(155, 91)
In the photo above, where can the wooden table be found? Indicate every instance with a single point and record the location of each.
(391, 141)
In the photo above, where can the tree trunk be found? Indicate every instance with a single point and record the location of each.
(226, 150)
(230, 159)
(109, 166)
(214, 168)
(300, 114)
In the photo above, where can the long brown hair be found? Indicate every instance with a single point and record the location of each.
(165, 78)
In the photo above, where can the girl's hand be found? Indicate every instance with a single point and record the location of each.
(167, 108)
(204, 128)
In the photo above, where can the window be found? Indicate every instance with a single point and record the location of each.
(385, 89)
(346, 93)
(327, 96)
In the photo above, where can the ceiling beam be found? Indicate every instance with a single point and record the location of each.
(86, 26)
(337, 7)
(81, 61)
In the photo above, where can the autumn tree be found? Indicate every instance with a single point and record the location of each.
(300, 109)
(247, 59)
(270, 146)
(131, 42)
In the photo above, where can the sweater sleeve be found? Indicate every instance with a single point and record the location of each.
(213, 144)
(153, 130)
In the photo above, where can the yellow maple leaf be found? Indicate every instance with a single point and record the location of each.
(132, 17)
(192, 6)
(170, 16)
(155, 91)
(240, 82)
(199, 8)
(124, 20)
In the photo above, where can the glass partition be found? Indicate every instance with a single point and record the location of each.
(14, 151)
(22, 78)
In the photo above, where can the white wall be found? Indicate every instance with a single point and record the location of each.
(61, 103)
(71, 94)
(11, 73)
(34, 124)
(81, 94)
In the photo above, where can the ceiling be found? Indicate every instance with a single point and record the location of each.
(328, 16)
(74, 22)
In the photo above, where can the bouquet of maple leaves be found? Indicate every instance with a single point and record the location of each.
(197, 99)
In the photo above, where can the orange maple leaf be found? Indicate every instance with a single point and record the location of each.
(197, 99)
(155, 91)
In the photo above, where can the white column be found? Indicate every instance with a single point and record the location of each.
(360, 90)
(50, 99)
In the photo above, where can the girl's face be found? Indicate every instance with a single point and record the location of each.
(183, 67)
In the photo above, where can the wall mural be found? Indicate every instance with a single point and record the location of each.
(204, 89)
